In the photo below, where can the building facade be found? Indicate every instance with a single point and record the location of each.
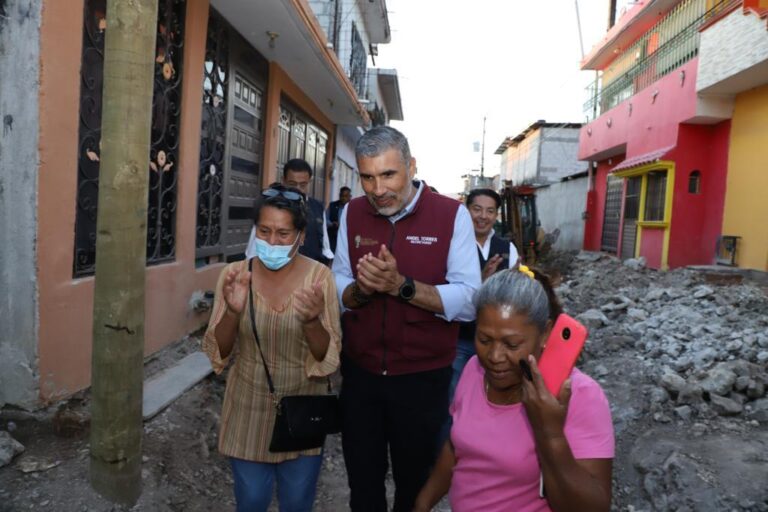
(240, 87)
(355, 29)
(733, 64)
(542, 153)
(658, 151)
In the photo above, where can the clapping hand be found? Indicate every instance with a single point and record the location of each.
(491, 266)
(379, 273)
(309, 303)
(235, 289)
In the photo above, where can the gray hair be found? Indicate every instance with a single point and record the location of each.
(378, 140)
(523, 294)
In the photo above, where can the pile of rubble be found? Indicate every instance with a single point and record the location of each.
(680, 358)
(707, 345)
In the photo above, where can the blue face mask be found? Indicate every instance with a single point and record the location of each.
(274, 257)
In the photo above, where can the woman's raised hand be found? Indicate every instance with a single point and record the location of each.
(309, 303)
(546, 413)
(235, 289)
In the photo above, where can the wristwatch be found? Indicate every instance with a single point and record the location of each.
(407, 290)
(358, 295)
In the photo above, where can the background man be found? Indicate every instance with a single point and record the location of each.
(406, 269)
(334, 209)
(297, 173)
(495, 253)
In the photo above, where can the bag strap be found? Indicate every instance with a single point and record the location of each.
(258, 344)
(255, 334)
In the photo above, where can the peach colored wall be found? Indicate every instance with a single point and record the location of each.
(66, 304)
(280, 84)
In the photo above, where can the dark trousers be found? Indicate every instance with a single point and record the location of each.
(403, 413)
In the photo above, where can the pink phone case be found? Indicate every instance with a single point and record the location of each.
(561, 352)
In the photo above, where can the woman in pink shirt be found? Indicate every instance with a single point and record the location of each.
(514, 446)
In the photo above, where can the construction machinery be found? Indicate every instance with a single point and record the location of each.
(520, 222)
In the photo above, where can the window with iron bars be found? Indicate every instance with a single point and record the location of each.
(358, 64)
(166, 119)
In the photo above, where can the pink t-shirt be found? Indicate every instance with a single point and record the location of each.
(496, 464)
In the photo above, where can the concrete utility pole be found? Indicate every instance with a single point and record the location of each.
(121, 250)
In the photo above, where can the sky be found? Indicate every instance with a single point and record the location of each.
(512, 61)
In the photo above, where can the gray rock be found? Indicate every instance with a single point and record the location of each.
(737, 397)
(684, 412)
(637, 314)
(759, 410)
(589, 257)
(635, 263)
(600, 371)
(755, 389)
(654, 294)
(9, 448)
(725, 406)
(734, 345)
(593, 318)
(719, 381)
(682, 364)
(742, 383)
(690, 394)
(702, 291)
(762, 341)
(658, 395)
(704, 358)
(673, 383)
(762, 356)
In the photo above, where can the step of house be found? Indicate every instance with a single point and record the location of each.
(161, 390)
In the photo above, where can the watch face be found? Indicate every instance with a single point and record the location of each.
(407, 290)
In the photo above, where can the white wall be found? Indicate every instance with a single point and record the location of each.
(559, 154)
(19, 160)
(733, 45)
(522, 161)
(560, 207)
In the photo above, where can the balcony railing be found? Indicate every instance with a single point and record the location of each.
(672, 42)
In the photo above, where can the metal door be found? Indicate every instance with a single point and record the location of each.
(611, 221)
(631, 212)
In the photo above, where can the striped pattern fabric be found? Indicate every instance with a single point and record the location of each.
(248, 414)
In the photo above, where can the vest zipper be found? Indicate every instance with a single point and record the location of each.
(384, 314)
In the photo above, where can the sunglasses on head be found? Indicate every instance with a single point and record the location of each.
(288, 194)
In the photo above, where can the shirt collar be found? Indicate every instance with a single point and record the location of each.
(487, 242)
(410, 206)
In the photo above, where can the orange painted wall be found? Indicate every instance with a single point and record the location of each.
(66, 304)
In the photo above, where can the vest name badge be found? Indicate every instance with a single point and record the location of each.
(421, 240)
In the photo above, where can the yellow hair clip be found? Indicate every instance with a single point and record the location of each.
(525, 270)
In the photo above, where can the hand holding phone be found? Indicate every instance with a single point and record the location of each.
(561, 351)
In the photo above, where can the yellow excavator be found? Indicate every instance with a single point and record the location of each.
(520, 222)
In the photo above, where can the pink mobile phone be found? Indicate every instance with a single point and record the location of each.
(561, 352)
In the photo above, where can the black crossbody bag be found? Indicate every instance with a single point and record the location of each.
(302, 421)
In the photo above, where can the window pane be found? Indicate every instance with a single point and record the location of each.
(655, 195)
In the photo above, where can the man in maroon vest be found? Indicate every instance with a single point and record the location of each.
(406, 268)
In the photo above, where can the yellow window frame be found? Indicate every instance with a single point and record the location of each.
(642, 224)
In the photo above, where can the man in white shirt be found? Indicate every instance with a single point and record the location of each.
(495, 254)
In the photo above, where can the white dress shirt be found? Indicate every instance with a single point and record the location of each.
(463, 273)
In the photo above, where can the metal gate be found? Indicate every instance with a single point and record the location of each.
(631, 211)
(609, 241)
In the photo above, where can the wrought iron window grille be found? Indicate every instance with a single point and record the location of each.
(165, 128)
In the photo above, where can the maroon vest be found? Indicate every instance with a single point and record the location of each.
(387, 335)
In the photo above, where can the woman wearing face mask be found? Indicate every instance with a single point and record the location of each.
(297, 321)
(509, 434)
